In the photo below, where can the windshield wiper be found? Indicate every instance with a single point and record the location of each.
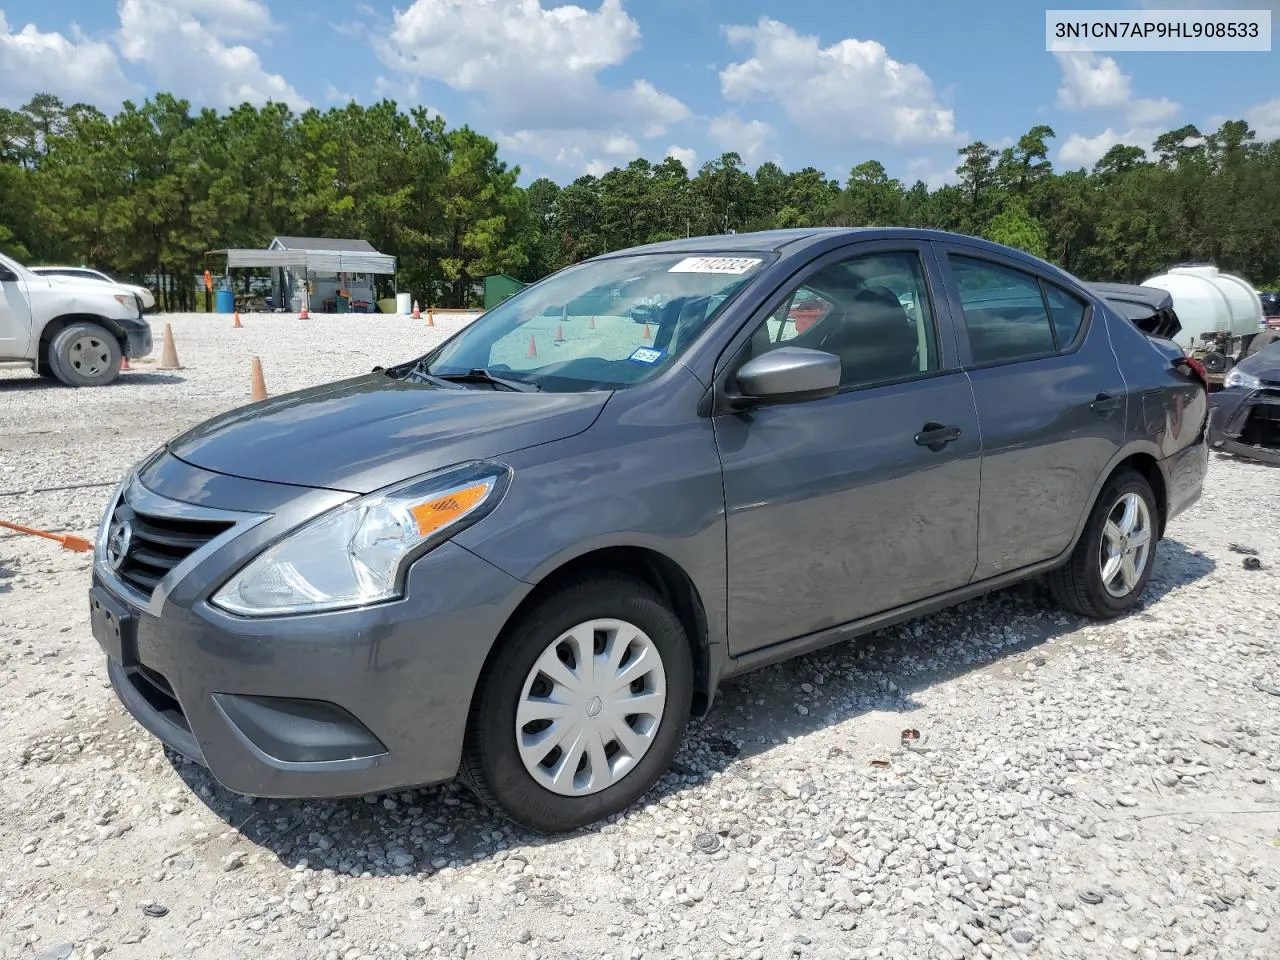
(481, 375)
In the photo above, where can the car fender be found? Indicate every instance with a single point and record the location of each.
(1133, 448)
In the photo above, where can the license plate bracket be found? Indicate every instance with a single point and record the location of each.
(115, 627)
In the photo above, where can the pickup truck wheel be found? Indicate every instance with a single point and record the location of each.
(85, 355)
(1111, 565)
(582, 707)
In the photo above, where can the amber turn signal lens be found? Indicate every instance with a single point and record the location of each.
(442, 511)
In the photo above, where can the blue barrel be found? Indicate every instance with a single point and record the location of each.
(225, 301)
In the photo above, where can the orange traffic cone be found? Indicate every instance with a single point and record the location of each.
(304, 313)
(236, 322)
(169, 355)
(431, 317)
(417, 314)
(124, 362)
(559, 334)
(533, 347)
(646, 333)
(593, 323)
(257, 386)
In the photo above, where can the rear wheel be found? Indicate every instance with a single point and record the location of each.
(583, 707)
(1112, 563)
(85, 355)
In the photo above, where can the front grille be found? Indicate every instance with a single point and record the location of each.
(1262, 426)
(157, 545)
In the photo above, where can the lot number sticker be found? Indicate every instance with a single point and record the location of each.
(646, 355)
(729, 265)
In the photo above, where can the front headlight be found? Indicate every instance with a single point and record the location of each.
(356, 554)
(1237, 378)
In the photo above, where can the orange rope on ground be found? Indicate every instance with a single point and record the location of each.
(69, 541)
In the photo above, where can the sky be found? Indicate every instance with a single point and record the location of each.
(573, 88)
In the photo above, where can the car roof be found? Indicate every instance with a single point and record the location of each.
(48, 266)
(792, 241)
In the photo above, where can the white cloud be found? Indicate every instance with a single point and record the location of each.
(1081, 151)
(229, 19)
(334, 95)
(180, 43)
(934, 173)
(747, 138)
(583, 151)
(535, 71)
(1090, 82)
(848, 92)
(1093, 82)
(686, 155)
(1264, 119)
(1143, 111)
(75, 68)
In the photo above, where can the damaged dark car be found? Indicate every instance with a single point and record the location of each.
(1245, 413)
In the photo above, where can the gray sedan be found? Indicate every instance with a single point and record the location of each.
(529, 556)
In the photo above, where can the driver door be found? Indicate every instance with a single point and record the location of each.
(15, 315)
(836, 509)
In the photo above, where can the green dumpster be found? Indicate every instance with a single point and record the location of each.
(340, 304)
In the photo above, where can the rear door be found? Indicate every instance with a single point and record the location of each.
(1050, 400)
(15, 314)
(847, 506)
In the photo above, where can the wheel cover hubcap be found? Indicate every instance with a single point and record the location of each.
(89, 355)
(1126, 545)
(590, 707)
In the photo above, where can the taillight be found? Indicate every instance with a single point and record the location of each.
(1196, 367)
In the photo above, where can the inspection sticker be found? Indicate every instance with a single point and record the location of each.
(646, 355)
(732, 265)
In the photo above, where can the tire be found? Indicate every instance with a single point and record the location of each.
(44, 368)
(1079, 585)
(1215, 362)
(493, 764)
(85, 355)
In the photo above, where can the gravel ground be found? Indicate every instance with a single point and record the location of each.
(1077, 790)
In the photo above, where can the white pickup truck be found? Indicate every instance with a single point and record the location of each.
(74, 331)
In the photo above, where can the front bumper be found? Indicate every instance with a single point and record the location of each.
(321, 705)
(138, 339)
(1246, 423)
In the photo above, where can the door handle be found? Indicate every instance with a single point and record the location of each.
(1105, 404)
(936, 436)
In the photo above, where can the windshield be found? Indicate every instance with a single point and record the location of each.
(600, 325)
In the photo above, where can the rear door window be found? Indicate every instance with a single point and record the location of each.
(1004, 312)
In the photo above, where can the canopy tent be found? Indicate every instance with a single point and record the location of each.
(313, 261)
(330, 272)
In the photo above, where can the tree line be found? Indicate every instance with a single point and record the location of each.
(146, 193)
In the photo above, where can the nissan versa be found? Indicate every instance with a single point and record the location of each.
(528, 556)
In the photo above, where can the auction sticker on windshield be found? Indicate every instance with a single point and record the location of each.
(730, 265)
(646, 355)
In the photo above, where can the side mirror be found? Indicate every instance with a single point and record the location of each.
(7, 275)
(790, 375)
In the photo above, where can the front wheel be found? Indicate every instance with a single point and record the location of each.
(582, 708)
(1111, 565)
(85, 355)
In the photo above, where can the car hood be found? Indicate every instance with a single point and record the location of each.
(367, 432)
(84, 288)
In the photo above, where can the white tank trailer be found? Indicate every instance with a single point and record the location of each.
(1221, 315)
